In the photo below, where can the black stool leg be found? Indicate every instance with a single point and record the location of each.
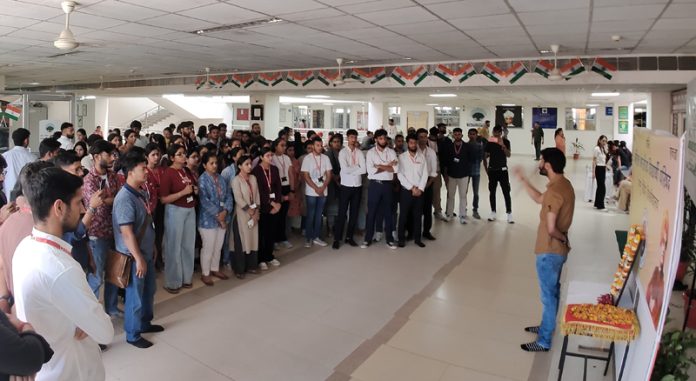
(611, 352)
(561, 363)
(623, 362)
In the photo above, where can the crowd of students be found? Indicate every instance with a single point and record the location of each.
(232, 198)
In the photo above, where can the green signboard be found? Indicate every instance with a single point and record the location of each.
(623, 126)
(623, 112)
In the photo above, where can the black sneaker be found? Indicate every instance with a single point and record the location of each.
(534, 329)
(420, 244)
(153, 328)
(351, 242)
(533, 347)
(141, 343)
(429, 236)
(336, 245)
(401, 244)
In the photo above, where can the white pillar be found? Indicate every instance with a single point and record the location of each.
(659, 111)
(270, 124)
(375, 116)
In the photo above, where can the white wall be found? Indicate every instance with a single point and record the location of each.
(120, 111)
(660, 111)
(58, 110)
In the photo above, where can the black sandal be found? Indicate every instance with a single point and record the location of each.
(533, 347)
(534, 329)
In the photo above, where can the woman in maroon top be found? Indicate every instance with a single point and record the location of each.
(152, 189)
(177, 192)
(271, 194)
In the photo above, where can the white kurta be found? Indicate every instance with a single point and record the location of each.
(51, 293)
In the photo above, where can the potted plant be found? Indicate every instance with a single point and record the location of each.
(577, 147)
(673, 361)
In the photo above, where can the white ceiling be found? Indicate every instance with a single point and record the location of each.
(130, 38)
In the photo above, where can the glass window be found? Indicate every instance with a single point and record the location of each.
(341, 117)
(447, 115)
(581, 119)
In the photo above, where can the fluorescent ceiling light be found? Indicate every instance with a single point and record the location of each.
(592, 105)
(613, 94)
(319, 96)
(508, 104)
(244, 25)
(213, 99)
(431, 104)
(306, 100)
(643, 102)
(328, 104)
(444, 95)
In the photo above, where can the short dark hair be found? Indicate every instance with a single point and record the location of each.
(65, 159)
(171, 151)
(558, 132)
(81, 144)
(132, 159)
(82, 131)
(434, 130)
(264, 151)
(206, 157)
(3, 162)
(555, 157)
(317, 139)
(112, 136)
(441, 125)
(498, 129)
(128, 133)
(456, 129)
(152, 147)
(19, 136)
(93, 138)
(136, 125)
(47, 186)
(213, 127)
(421, 131)
(380, 132)
(398, 136)
(65, 125)
(169, 128)
(411, 137)
(222, 125)
(48, 145)
(26, 175)
(101, 146)
(352, 131)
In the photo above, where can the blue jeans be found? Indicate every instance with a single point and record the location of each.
(179, 245)
(315, 206)
(549, 267)
(140, 299)
(100, 249)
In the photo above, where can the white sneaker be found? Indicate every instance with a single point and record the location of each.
(275, 263)
(492, 217)
(364, 245)
(441, 217)
(509, 219)
(286, 244)
(392, 245)
(308, 244)
(263, 266)
(319, 242)
(378, 236)
(462, 220)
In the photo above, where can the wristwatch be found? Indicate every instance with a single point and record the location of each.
(92, 210)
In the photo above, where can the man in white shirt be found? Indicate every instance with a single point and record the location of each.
(51, 292)
(352, 163)
(413, 176)
(381, 164)
(316, 169)
(67, 134)
(16, 158)
(433, 169)
(287, 181)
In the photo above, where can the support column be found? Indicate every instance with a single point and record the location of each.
(270, 124)
(659, 111)
(375, 115)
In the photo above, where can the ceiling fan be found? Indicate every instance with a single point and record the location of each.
(66, 39)
(342, 78)
(555, 73)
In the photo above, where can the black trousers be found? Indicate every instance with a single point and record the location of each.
(501, 176)
(411, 206)
(241, 262)
(428, 209)
(537, 149)
(268, 224)
(601, 177)
(349, 197)
(379, 201)
(281, 233)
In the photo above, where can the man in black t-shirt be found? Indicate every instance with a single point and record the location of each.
(497, 151)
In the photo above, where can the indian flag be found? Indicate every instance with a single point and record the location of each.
(327, 76)
(241, 80)
(270, 79)
(543, 68)
(493, 72)
(572, 68)
(373, 75)
(402, 76)
(13, 112)
(303, 77)
(444, 73)
(219, 80)
(517, 71)
(603, 68)
(467, 71)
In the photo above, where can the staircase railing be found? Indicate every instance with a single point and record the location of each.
(146, 116)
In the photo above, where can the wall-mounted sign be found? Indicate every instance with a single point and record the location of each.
(508, 116)
(242, 114)
(623, 127)
(547, 117)
(256, 112)
(609, 111)
(623, 112)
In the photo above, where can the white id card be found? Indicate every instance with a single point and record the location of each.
(250, 223)
(252, 206)
(222, 204)
(189, 199)
(272, 195)
(456, 160)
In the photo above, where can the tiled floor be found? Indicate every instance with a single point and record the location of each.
(452, 311)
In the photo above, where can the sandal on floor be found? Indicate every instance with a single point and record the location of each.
(533, 347)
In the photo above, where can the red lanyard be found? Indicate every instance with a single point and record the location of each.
(269, 178)
(456, 151)
(51, 243)
(413, 158)
(184, 178)
(317, 163)
(154, 173)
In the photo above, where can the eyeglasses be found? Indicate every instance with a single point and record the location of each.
(4, 172)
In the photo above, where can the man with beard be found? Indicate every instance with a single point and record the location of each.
(256, 134)
(413, 176)
(352, 167)
(67, 133)
(552, 245)
(50, 288)
(186, 131)
(381, 164)
(101, 235)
